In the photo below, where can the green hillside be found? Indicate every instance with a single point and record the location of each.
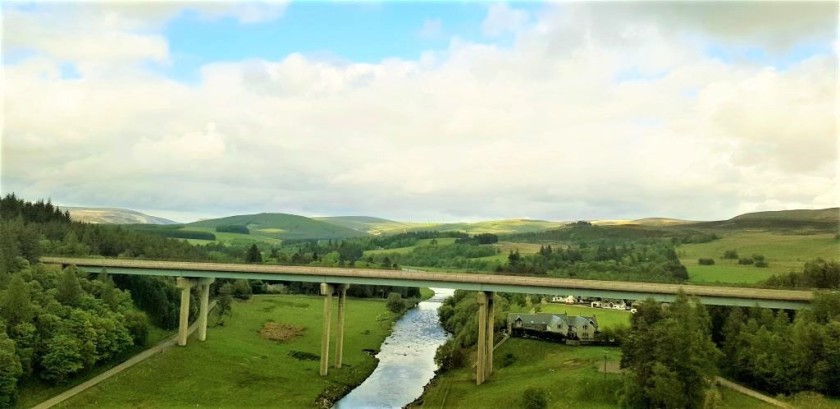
(510, 226)
(281, 226)
(366, 224)
(792, 221)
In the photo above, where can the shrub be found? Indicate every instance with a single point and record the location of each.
(730, 254)
(761, 263)
(508, 360)
(534, 398)
(449, 356)
(242, 289)
(758, 257)
(745, 261)
(706, 261)
(395, 303)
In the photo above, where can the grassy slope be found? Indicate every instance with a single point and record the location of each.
(238, 368)
(282, 226)
(569, 375)
(34, 393)
(784, 253)
(371, 225)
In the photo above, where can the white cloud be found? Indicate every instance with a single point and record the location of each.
(543, 129)
(501, 19)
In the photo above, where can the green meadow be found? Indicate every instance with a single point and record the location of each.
(783, 252)
(572, 377)
(236, 367)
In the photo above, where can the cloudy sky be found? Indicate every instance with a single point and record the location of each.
(423, 111)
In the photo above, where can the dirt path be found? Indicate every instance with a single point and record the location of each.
(751, 393)
(160, 347)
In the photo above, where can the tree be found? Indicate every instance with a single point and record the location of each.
(253, 255)
(730, 254)
(63, 358)
(395, 303)
(16, 306)
(669, 355)
(242, 289)
(223, 303)
(10, 370)
(69, 289)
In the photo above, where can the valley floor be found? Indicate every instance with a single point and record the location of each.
(236, 367)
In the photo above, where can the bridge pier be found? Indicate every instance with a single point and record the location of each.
(185, 284)
(339, 336)
(203, 310)
(484, 358)
(326, 291)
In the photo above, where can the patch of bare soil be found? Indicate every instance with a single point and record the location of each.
(277, 331)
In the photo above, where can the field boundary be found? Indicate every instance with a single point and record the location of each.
(136, 359)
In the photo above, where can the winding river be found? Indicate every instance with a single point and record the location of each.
(406, 359)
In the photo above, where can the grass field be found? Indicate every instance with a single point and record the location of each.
(783, 252)
(36, 392)
(570, 376)
(443, 241)
(238, 368)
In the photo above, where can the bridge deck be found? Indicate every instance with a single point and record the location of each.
(736, 296)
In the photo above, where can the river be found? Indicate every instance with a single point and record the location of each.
(406, 359)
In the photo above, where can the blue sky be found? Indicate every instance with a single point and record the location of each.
(359, 32)
(555, 111)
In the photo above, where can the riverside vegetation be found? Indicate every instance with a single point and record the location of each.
(37, 344)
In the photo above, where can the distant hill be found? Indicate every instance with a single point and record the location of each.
(366, 224)
(510, 226)
(648, 221)
(829, 215)
(827, 220)
(108, 215)
(281, 225)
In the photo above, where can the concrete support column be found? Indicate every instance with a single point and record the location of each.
(203, 310)
(481, 357)
(184, 284)
(326, 291)
(339, 336)
(488, 367)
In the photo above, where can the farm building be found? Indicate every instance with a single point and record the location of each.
(569, 328)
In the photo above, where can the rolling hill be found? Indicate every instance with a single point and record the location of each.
(510, 226)
(279, 226)
(366, 224)
(108, 215)
(802, 220)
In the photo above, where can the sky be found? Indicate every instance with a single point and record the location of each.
(423, 111)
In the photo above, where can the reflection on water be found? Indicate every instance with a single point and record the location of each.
(406, 359)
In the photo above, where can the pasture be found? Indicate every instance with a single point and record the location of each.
(236, 367)
(572, 377)
(783, 252)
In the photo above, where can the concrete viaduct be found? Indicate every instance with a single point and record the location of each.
(336, 281)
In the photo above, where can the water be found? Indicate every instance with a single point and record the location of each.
(406, 359)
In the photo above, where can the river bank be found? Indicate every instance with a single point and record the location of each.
(406, 359)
